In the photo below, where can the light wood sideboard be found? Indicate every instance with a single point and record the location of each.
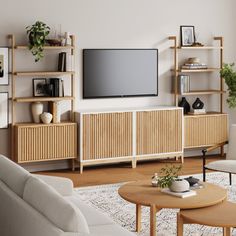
(205, 130)
(130, 135)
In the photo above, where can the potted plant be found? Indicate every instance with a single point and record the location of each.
(167, 175)
(37, 34)
(229, 75)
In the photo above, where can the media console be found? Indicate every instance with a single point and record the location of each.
(112, 136)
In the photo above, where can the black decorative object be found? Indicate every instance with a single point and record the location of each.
(184, 103)
(192, 180)
(198, 104)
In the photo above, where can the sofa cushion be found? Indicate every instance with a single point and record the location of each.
(13, 175)
(92, 216)
(54, 207)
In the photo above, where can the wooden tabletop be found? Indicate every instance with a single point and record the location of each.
(142, 193)
(220, 215)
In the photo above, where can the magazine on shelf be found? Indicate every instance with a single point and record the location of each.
(183, 83)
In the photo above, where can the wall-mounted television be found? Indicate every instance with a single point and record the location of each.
(120, 73)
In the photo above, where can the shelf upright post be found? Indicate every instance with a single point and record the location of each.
(72, 113)
(12, 47)
(175, 70)
(220, 39)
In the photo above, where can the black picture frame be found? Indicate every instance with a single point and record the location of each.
(4, 66)
(4, 110)
(39, 85)
(187, 35)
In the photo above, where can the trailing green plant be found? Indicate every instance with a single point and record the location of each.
(229, 75)
(168, 174)
(37, 34)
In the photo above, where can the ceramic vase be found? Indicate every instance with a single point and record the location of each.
(184, 103)
(179, 185)
(37, 110)
(46, 117)
(198, 104)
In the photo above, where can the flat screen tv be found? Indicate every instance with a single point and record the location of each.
(120, 73)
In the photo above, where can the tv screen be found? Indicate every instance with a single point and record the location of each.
(120, 72)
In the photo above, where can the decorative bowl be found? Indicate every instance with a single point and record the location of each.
(53, 42)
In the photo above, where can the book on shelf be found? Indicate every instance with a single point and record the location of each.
(194, 66)
(57, 87)
(189, 193)
(197, 111)
(62, 61)
(183, 84)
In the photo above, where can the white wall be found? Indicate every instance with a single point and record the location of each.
(119, 24)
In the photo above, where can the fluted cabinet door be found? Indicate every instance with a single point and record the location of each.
(35, 143)
(159, 131)
(107, 135)
(205, 130)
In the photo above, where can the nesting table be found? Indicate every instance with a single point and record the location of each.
(142, 193)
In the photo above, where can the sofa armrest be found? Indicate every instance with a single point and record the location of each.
(63, 186)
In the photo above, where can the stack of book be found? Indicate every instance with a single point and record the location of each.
(194, 63)
(189, 193)
(183, 84)
(57, 87)
(194, 66)
(197, 111)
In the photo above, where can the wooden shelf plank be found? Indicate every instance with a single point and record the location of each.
(209, 113)
(42, 99)
(202, 92)
(46, 47)
(198, 48)
(22, 124)
(43, 73)
(198, 70)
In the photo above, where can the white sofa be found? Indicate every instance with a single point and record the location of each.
(37, 205)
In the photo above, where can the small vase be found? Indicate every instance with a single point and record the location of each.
(155, 180)
(37, 110)
(46, 117)
(179, 185)
(198, 104)
(184, 103)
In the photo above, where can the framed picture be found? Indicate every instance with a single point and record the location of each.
(3, 110)
(39, 87)
(187, 34)
(4, 66)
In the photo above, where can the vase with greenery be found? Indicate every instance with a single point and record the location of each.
(229, 75)
(168, 174)
(37, 34)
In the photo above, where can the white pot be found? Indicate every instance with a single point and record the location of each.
(179, 185)
(37, 110)
(46, 117)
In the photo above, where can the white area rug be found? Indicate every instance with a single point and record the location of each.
(106, 199)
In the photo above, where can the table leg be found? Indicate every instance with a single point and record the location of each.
(180, 225)
(138, 218)
(226, 231)
(153, 211)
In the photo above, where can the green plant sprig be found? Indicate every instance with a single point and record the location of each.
(37, 38)
(229, 75)
(168, 174)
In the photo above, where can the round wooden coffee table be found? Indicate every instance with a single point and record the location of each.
(142, 193)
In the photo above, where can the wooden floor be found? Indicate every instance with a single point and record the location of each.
(117, 173)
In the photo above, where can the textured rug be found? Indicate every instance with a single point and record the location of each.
(106, 199)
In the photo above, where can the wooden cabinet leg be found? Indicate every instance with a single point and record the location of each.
(138, 218)
(226, 231)
(153, 211)
(180, 225)
(182, 159)
(134, 164)
(81, 168)
(73, 165)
